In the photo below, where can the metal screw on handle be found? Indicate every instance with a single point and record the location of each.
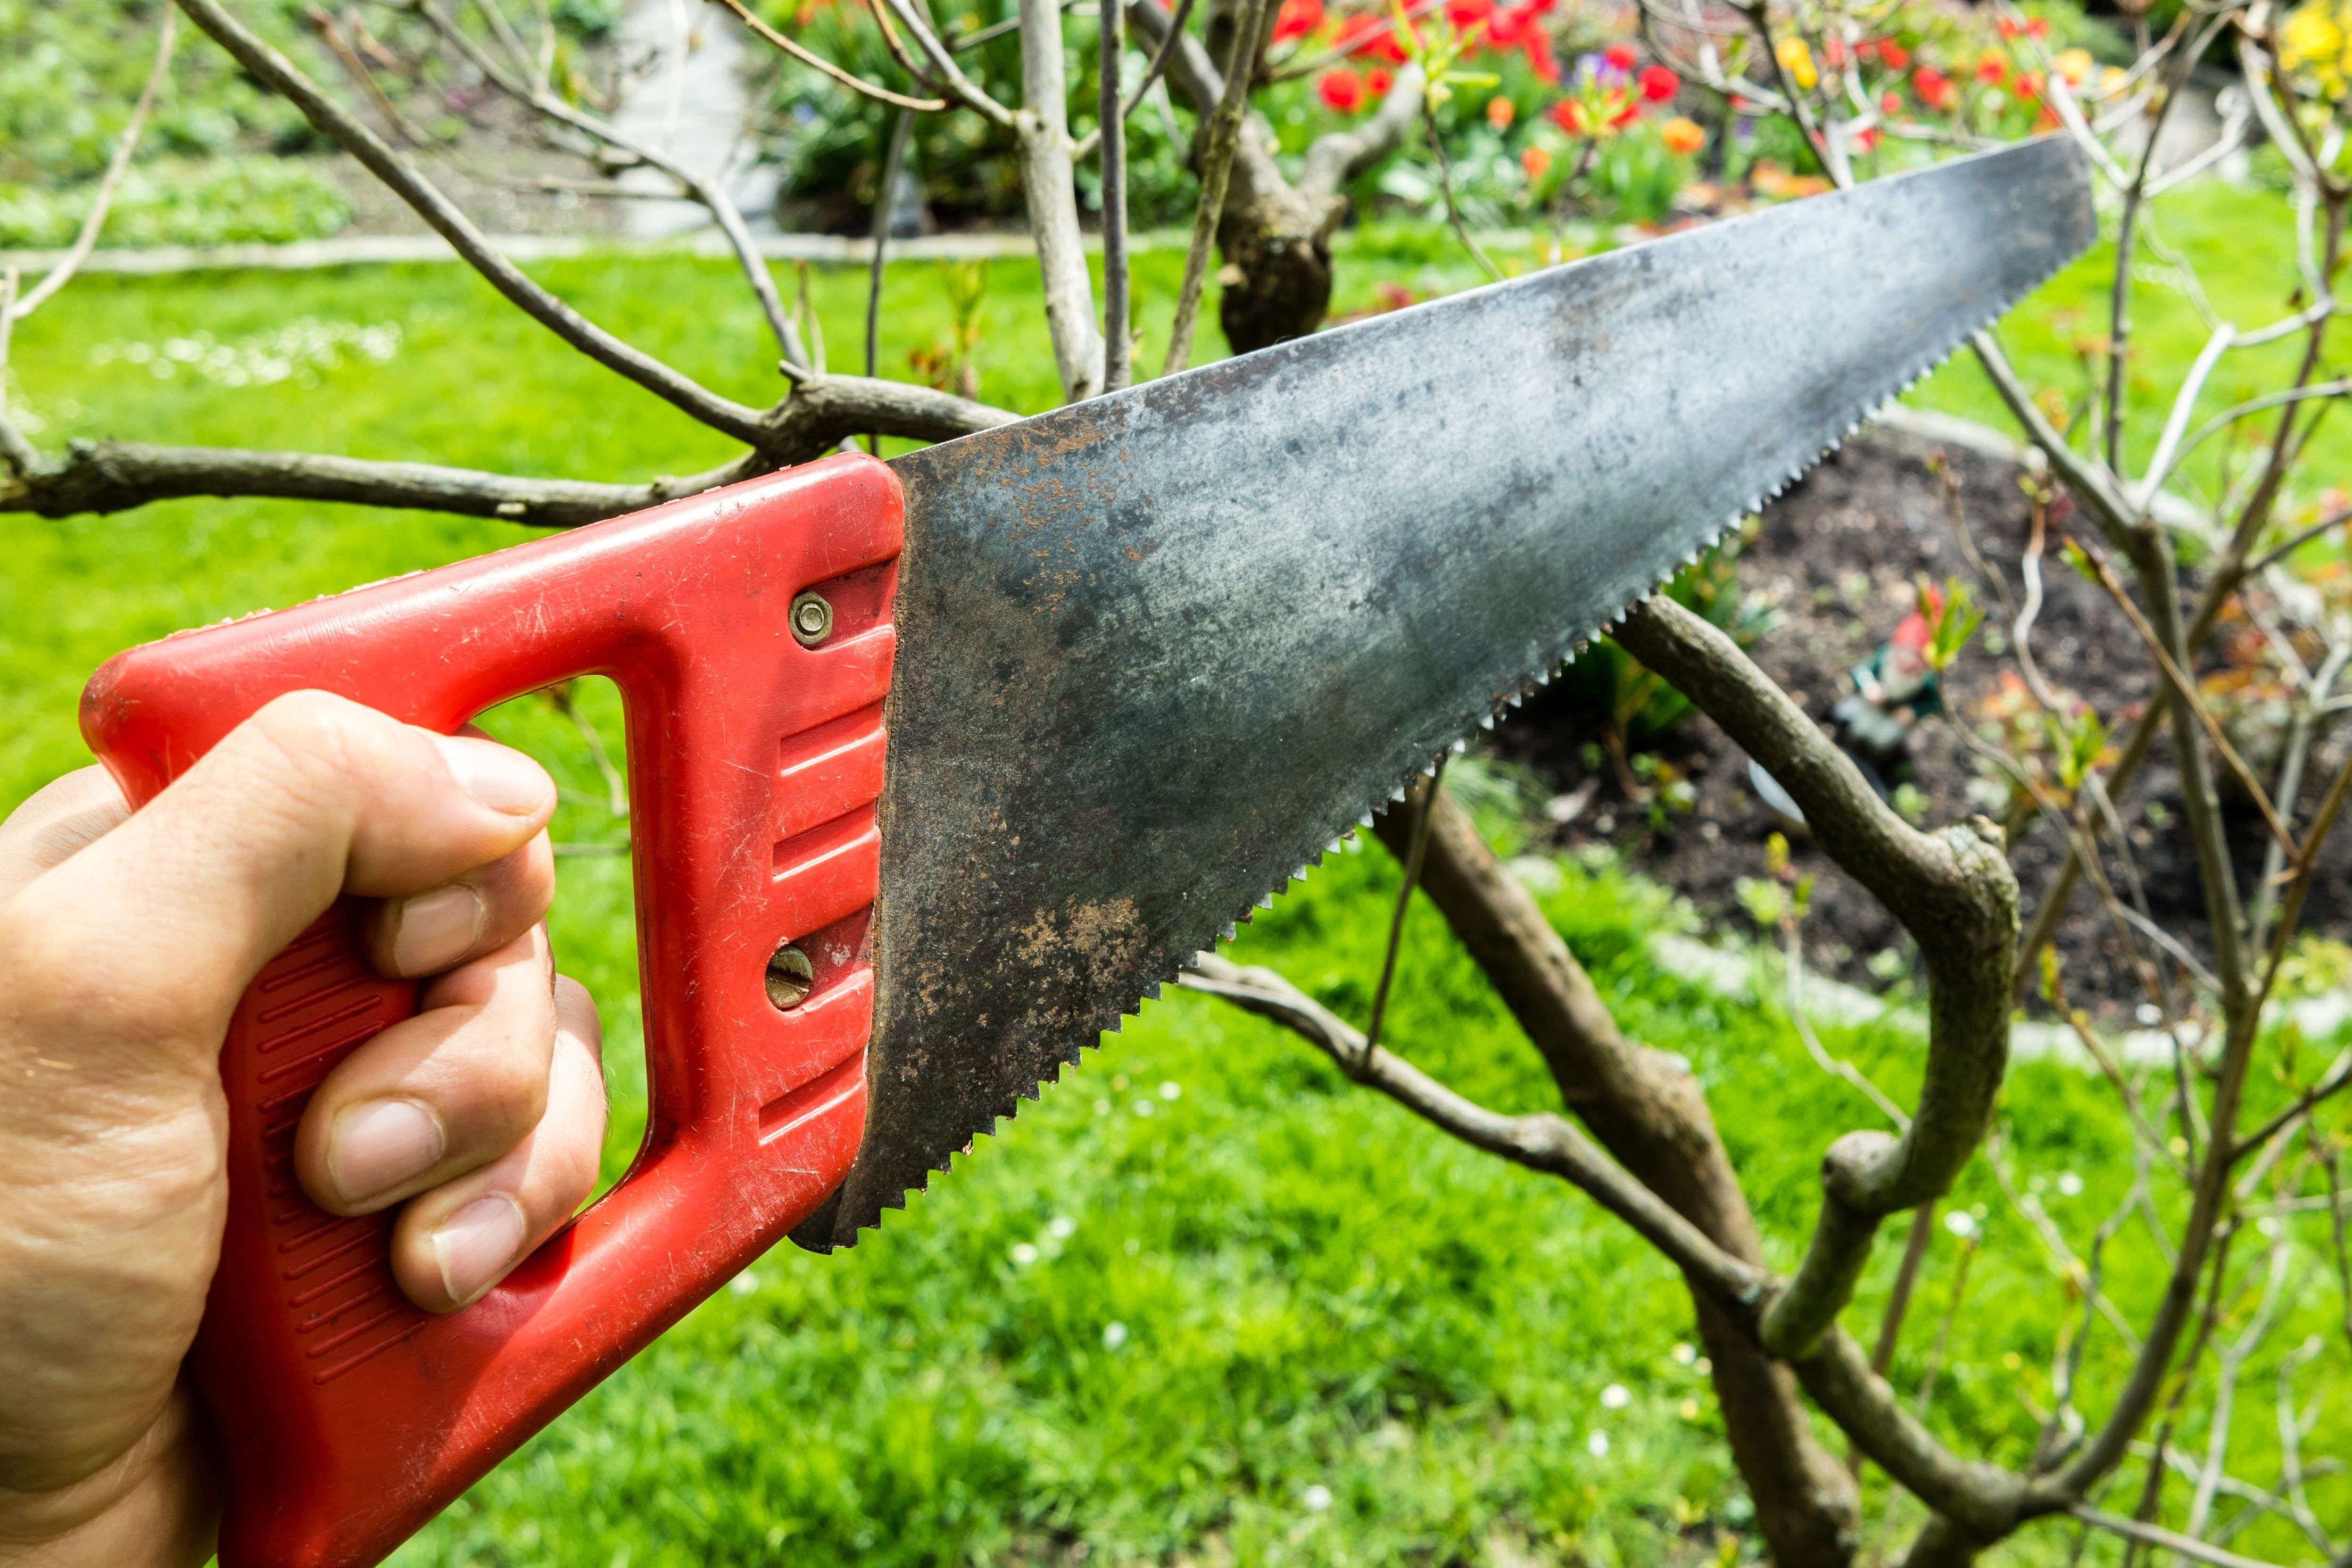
(812, 618)
(790, 977)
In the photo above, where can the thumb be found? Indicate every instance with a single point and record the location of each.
(151, 934)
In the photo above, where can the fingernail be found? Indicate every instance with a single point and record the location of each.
(434, 929)
(477, 1244)
(380, 1144)
(496, 777)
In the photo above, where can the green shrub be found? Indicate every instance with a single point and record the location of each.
(177, 202)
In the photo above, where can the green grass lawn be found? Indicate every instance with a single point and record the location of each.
(1206, 1302)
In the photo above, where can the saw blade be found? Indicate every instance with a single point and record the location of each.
(1159, 650)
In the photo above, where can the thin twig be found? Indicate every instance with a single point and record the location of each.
(2186, 692)
(102, 199)
(1837, 1067)
(2119, 303)
(1151, 73)
(2271, 558)
(892, 163)
(17, 452)
(1452, 209)
(2157, 1536)
(1898, 1306)
(1216, 168)
(856, 84)
(1118, 331)
(1412, 860)
(2303, 1105)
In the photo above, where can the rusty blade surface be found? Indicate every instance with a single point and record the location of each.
(1159, 649)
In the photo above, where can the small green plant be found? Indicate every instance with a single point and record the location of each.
(1777, 902)
(1952, 619)
(953, 363)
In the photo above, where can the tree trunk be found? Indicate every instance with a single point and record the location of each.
(1647, 1110)
(1275, 236)
(1276, 245)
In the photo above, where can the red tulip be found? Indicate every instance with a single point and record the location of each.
(1621, 56)
(1342, 90)
(1659, 84)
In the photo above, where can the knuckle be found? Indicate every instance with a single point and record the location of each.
(310, 732)
(513, 1086)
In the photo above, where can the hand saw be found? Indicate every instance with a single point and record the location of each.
(940, 767)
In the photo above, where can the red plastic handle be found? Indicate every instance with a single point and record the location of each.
(349, 1416)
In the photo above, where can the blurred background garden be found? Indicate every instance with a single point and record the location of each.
(1208, 1302)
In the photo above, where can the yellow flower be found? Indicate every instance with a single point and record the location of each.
(2075, 65)
(1682, 136)
(1798, 61)
(2315, 41)
(2112, 80)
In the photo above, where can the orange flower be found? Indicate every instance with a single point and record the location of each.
(1535, 162)
(1992, 68)
(1682, 136)
(1499, 112)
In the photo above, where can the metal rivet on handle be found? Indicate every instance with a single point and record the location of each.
(790, 977)
(812, 618)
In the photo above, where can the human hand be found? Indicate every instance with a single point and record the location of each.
(125, 943)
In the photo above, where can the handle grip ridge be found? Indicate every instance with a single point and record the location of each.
(349, 1418)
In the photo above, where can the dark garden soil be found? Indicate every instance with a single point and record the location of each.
(1836, 559)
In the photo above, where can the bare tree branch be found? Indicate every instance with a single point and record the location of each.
(709, 192)
(112, 476)
(1541, 1142)
(944, 69)
(1836, 1374)
(1952, 890)
(1180, 54)
(1049, 191)
(746, 425)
